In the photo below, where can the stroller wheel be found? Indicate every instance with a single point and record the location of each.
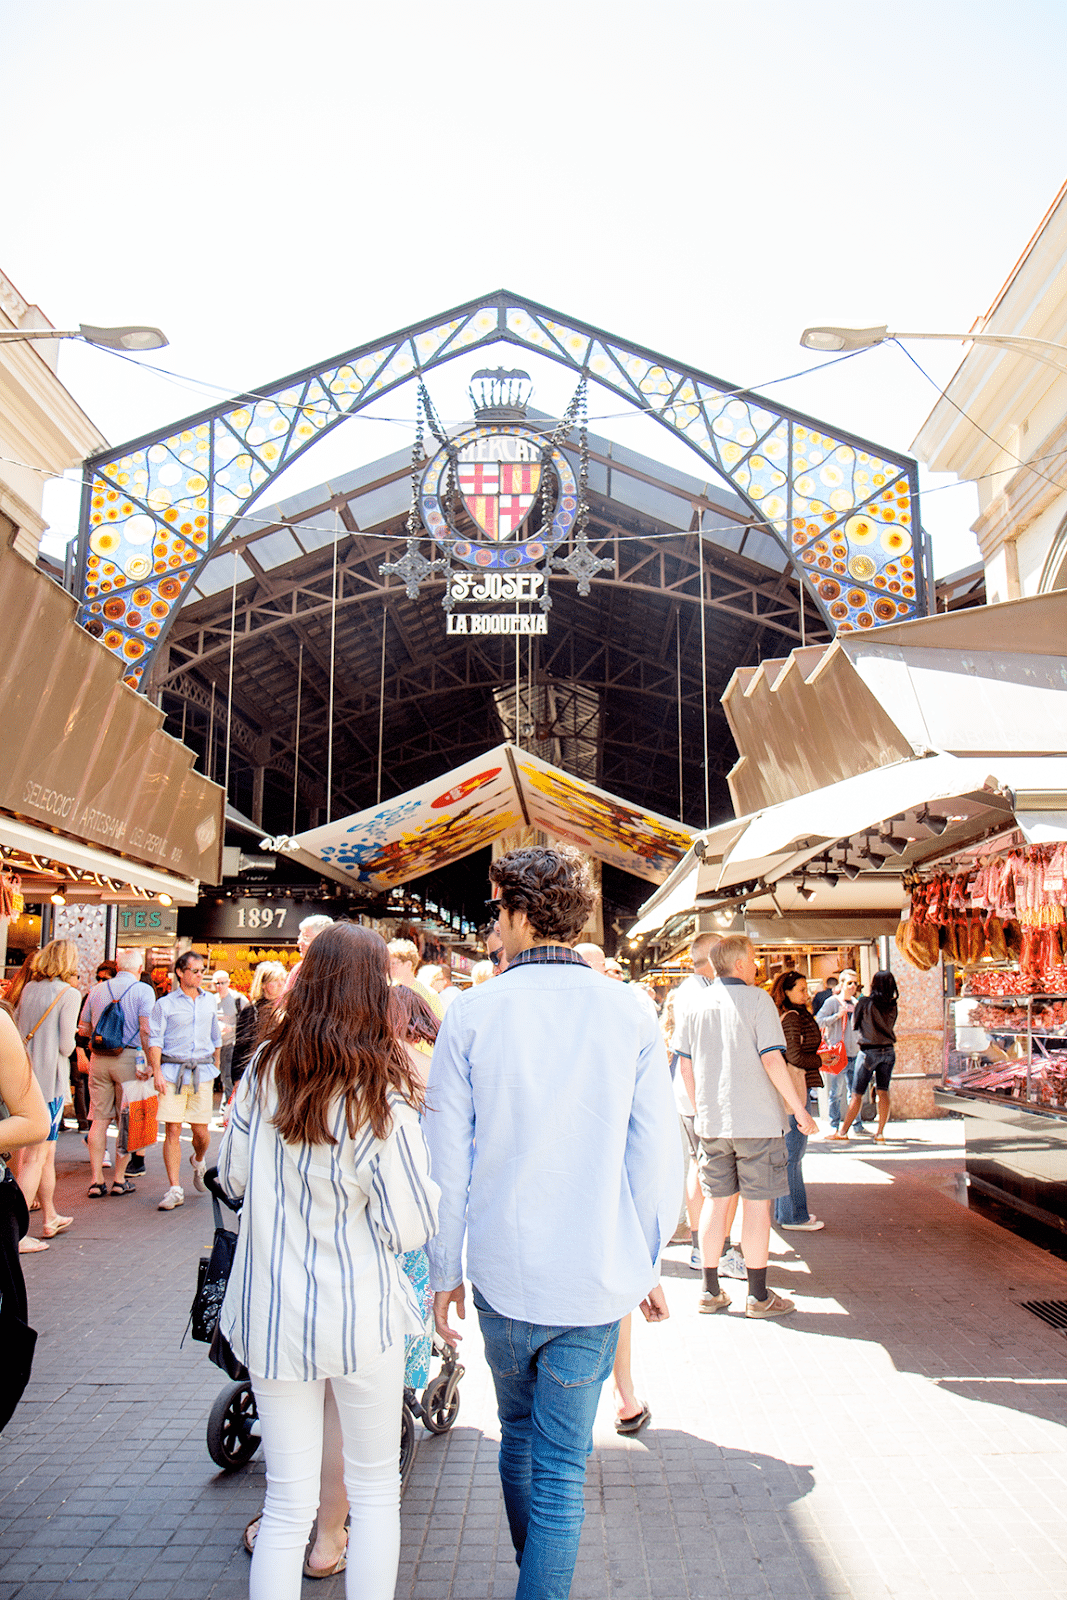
(230, 1439)
(407, 1443)
(438, 1411)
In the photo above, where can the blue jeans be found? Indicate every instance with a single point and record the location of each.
(548, 1383)
(793, 1207)
(850, 1074)
(839, 1091)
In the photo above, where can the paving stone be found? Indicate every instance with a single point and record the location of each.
(883, 1444)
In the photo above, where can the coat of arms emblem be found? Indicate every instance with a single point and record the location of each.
(483, 496)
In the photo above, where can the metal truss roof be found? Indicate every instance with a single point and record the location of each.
(598, 696)
(843, 511)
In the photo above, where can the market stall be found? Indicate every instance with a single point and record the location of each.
(940, 820)
(996, 922)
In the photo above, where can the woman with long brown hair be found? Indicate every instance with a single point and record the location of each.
(802, 1039)
(47, 1016)
(324, 1145)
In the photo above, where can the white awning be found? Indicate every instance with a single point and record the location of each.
(968, 799)
(33, 841)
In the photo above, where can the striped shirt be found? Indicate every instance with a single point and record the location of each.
(316, 1289)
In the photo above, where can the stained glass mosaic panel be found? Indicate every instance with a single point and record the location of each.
(845, 514)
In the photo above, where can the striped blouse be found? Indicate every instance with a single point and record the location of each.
(316, 1289)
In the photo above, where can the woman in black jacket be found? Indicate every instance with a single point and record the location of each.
(802, 1039)
(874, 1021)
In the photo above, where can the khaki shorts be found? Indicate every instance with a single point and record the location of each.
(752, 1168)
(107, 1074)
(188, 1105)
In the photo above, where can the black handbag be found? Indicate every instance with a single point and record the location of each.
(17, 1338)
(213, 1274)
(213, 1270)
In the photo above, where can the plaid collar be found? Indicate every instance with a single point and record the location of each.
(544, 954)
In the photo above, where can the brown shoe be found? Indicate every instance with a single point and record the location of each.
(709, 1302)
(775, 1305)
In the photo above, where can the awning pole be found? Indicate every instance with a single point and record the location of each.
(333, 647)
(296, 746)
(229, 689)
(704, 682)
(678, 658)
(210, 761)
(381, 710)
(517, 658)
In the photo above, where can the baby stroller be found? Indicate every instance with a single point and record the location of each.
(233, 1423)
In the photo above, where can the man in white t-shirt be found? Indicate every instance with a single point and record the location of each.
(731, 1262)
(229, 1003)
(732, 1059)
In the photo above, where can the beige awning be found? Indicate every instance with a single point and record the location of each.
(84, 762)
(977, 683)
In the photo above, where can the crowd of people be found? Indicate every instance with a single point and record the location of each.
(358, 1081)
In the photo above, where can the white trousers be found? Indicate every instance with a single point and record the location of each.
(290, 1419)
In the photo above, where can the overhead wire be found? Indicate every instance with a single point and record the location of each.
(242, 518)
(1019, 462)
(254, 396)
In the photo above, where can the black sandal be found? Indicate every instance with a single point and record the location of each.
(97, 1191)
(125, 1187)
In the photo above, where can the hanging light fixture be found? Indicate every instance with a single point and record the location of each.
(929, 819)
(58, 898)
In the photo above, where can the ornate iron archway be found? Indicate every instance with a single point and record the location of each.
(845, 511)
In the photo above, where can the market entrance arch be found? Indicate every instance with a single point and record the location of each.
(311, 684)
(843, 510)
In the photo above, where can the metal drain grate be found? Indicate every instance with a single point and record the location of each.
(1054, 1312)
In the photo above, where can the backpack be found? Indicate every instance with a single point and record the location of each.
(109, 1036)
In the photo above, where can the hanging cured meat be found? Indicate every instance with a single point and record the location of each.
(1002, 908)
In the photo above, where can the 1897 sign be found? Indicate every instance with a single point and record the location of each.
(248, 919)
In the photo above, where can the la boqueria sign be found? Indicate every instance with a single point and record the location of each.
(83, 754)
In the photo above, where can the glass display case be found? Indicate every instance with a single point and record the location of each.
(1008, 1048)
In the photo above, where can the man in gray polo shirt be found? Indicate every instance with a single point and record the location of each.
(732, 1059)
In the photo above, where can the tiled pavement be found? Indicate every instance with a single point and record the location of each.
(903, 1434)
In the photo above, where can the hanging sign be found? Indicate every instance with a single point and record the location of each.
(499, 499)
(495, 588)
(486, 500)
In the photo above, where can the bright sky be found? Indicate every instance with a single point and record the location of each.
(272, 184)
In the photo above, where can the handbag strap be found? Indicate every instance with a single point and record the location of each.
(51, 1008)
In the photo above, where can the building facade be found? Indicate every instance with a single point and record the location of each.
(1002, 422)
(43, 430)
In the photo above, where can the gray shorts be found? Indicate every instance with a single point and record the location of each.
(752, 1168)
(689, 1137)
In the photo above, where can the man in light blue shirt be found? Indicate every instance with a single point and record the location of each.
(566, 1199)
(185, 1043)
(107, 1074)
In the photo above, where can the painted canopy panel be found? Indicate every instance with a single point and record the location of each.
(474, 804)
(846, 512)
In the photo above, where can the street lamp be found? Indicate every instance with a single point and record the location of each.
(132, 338)
(1053, 355)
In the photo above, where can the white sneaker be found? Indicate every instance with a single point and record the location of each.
(732, 1264)
(695, 1262)
(812, 1225)
(175, 1196)
(199, 1168)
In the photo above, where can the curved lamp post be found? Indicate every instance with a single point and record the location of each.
(1053, 355)
(131, 338)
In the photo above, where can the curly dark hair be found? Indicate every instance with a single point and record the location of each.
(553, 887)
